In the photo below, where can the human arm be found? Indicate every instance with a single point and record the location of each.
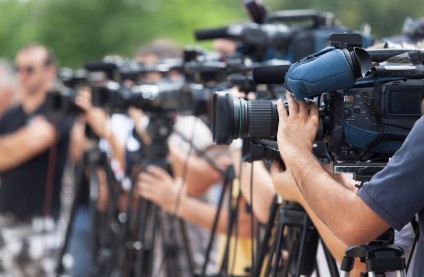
(159, 187)
(285, 186)
(25, 143)
(198, 174)
(354, 222)
(100, 124)
(260, 187)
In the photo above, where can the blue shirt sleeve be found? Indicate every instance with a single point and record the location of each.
(396, 193)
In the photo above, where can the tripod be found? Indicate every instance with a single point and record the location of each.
(140, 231)
(92, 159)
(380, 255)
(295, 233)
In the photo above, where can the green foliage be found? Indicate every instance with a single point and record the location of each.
(79, 30)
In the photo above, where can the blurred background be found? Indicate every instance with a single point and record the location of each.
(78, 30)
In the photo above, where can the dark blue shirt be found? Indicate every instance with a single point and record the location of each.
(396, 193)
(23, 188)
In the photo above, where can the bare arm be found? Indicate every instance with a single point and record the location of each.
(100, 124)
(203, 214)
(285, 185)
(78, 141)
(341, 209)
(26, 143)
(163, 190)
(199, 176)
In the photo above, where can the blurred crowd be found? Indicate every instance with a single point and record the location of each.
(72, 205)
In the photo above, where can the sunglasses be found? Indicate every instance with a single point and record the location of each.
(26, 69)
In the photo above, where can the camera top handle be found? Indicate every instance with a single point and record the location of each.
(319, 18)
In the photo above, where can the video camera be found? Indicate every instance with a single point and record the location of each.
(154, 98)
(274, 38)
(366, 110)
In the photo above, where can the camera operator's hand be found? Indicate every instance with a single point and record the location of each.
(159, 187)
(95, 117)
(141, 121)
(297, 128)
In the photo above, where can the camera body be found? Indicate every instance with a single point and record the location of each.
(366, 120)
(376, 119)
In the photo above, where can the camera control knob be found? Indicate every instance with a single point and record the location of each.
(347, 112)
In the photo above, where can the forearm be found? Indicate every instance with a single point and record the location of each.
(333, 243)
(118, 149)
(334, 203)
(20, 146)
(199, 175)
(203, 214)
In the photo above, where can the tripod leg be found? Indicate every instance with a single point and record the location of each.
(187, 246)
(306, 260)
(332, 265)
(293, 251)
(228, 179)
(233, 211)
(264, 246)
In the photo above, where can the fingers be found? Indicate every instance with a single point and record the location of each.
(313, 110)
(293, 105)
(282, 112)
(303, 107)
(146, 178)
(159, 173)
(83, 99)
(147, 186)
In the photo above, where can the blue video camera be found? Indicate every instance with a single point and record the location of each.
(369, 101)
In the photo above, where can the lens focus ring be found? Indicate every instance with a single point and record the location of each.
(262, 121)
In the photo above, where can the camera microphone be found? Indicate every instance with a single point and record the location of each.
(270, 75)
(100, 66)
(215, 33)
(256, 10)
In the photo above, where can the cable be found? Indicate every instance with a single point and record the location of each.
(51, 168)
(252, 219)
(236, 220)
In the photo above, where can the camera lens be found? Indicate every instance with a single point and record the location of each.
(237, 118)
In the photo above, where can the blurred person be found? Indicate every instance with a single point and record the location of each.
(82, 239)
(177, 198)
(412, 32)
(112, 132)
(224, 46)
(155, 51)
(198, 173)
(33, 152)
(8, 89)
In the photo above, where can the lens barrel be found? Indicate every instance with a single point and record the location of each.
(237, 118)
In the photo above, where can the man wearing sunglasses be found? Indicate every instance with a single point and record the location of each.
(33, 149)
